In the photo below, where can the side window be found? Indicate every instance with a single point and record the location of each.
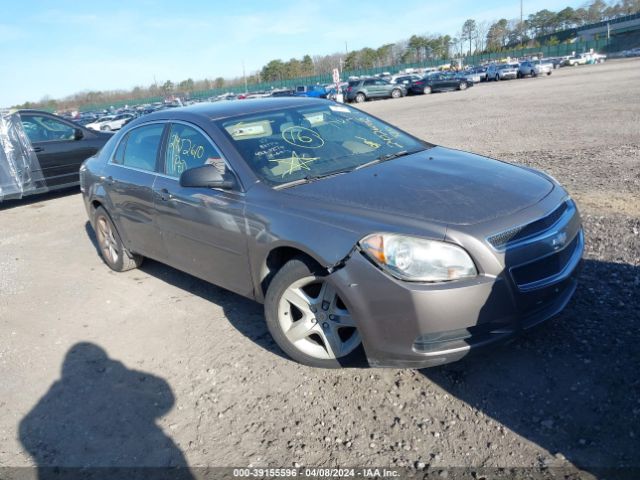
(40, 128)
(188, 148)
(368, 82)
(141, 149)
(118, 157)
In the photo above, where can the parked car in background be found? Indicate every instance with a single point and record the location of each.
(284, 92)
(556, 62)
(355, 235)
(534, 68)
(471, 76)
(482, 73)
(111, 122)
(313, 91)
(504, 71)
(596, 58)
(405, 80)
(580, 59)
(440, 82)
(361, 90)
(60, 145)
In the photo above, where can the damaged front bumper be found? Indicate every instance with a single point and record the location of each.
(416, 325)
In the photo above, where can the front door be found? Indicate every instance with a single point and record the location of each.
(203, 229)
(59, 153)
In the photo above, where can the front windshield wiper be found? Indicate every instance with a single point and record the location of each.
(313, 178)
(310, 178)
(386, 157)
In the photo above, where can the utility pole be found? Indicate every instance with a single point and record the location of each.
(521, 12)
(521, 22)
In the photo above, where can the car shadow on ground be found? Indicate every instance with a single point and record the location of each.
(572, 386)
(244, 314)
(35, 200)
(98, 421)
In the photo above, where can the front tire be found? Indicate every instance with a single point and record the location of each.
(307, 318)
(426, 90)
(396, 93)
(110, 244)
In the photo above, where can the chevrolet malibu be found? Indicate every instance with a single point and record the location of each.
(357, 237)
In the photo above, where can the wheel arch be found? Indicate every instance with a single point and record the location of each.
(276, 258)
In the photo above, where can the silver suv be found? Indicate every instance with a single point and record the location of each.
(534, 68)
(503, 71)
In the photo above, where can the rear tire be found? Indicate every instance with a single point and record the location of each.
(462, 86)
(304, 314)
(361, 98)
(112, 250)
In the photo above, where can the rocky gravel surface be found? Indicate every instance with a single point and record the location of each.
(172, 371)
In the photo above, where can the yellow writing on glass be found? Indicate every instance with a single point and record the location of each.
(180, 150)
(388, 137)
(286, 166)
(369, 143)
(302, 137)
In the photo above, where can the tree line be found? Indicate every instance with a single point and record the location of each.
(473, 37)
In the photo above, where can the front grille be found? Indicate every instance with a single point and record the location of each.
(547, 267)
(516, 234)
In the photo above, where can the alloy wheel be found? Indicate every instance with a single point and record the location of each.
(314, 320)
(107, 240)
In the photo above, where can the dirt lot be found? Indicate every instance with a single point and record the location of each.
(154, 367)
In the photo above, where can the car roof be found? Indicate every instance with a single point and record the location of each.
(30, 110)
(218, 110)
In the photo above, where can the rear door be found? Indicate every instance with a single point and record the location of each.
(370, 88)
(384, 88)
(59, 152)
(203, 229)
(129, 177)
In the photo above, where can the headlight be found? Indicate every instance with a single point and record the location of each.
(417, 259)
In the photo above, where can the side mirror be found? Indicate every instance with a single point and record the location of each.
(206, 176)
(78, 134)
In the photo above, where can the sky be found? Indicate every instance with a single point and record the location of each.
(59, 48)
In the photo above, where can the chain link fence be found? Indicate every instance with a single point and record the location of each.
(599, 45)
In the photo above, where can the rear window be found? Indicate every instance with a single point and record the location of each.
(141, 149)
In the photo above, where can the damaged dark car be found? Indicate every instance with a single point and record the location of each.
(358, 238)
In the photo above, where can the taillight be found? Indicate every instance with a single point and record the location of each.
(420, 82)
(349, 89)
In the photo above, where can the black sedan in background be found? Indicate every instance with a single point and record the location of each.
(350, 231)
(439, 82)
(60, 145)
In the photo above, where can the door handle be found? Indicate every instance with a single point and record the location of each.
(165, 195)
(38, 149)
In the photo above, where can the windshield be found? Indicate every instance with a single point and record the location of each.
(303, 142)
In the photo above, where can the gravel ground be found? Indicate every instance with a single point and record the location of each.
(154, 367)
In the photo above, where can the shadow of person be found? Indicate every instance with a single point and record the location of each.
(572, 386)
(98, 421)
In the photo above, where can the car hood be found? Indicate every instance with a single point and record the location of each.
(437, 185)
